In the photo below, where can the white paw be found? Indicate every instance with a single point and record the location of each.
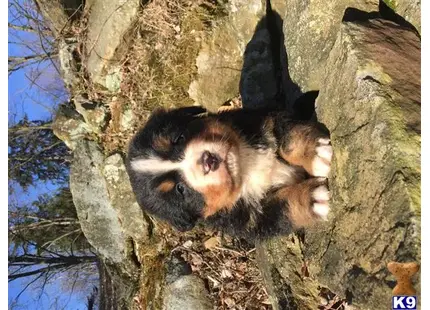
(321, 162)
(321, 196)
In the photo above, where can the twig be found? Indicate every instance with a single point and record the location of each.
(39, 153)
(21, 28)
(70, 17)
(44, 49)
(25, 287)
(229, 250)
(59, 238)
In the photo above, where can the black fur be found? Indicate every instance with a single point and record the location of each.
(183, 207)
(271, 222)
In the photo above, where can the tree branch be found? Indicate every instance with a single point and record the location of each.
(30, 128)
(21, 28)
(69, 260)
(18, 62)
(28, 284)
(38, 153)
(42, 224)
(49, 243)
(37, 271)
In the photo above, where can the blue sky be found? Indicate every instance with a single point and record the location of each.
(29, 299)
(25, 98)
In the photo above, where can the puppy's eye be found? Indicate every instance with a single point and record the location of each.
(178, 139)
(180, 188)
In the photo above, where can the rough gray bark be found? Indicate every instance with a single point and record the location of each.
(59, 13)
(370, 101)
(183, 290)
(69, 126)
(219, 62)
(310, 30)
(408, 9)
(108, 225)
(107, 23)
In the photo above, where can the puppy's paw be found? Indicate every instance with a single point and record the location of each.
(322, 160)
(320, 201)
(308, 202)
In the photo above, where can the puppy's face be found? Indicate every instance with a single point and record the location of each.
(184, 166)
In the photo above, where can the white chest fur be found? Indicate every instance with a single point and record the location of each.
(261, 170)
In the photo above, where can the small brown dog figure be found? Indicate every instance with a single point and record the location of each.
(403, 273)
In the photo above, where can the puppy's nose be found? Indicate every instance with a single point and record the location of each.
(210, 162)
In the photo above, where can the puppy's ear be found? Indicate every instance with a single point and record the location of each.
(159, 111)
(186, 111)
(190, 111)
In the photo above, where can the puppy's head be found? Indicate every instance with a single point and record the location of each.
(184, 165)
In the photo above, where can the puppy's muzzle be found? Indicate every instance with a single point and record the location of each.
(210, 162)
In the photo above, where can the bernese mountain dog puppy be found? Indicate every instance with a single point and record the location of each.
(249, 173)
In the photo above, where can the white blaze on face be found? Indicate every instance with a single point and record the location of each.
(154, 165)
(191, 166)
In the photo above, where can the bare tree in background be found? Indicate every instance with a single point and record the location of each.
(36, 154)
(46, 243)
(33, 50)
(28, 30)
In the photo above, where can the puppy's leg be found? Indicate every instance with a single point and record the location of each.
(305, 203)
(306, 144)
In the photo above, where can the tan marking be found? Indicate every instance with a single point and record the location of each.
(218, 198)
(161, 143)
(216, 128)
(268, 131)
(301, 148)
(166, 186)
(268, 126)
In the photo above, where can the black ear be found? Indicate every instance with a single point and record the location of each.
(189, 111)
(159, 113)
